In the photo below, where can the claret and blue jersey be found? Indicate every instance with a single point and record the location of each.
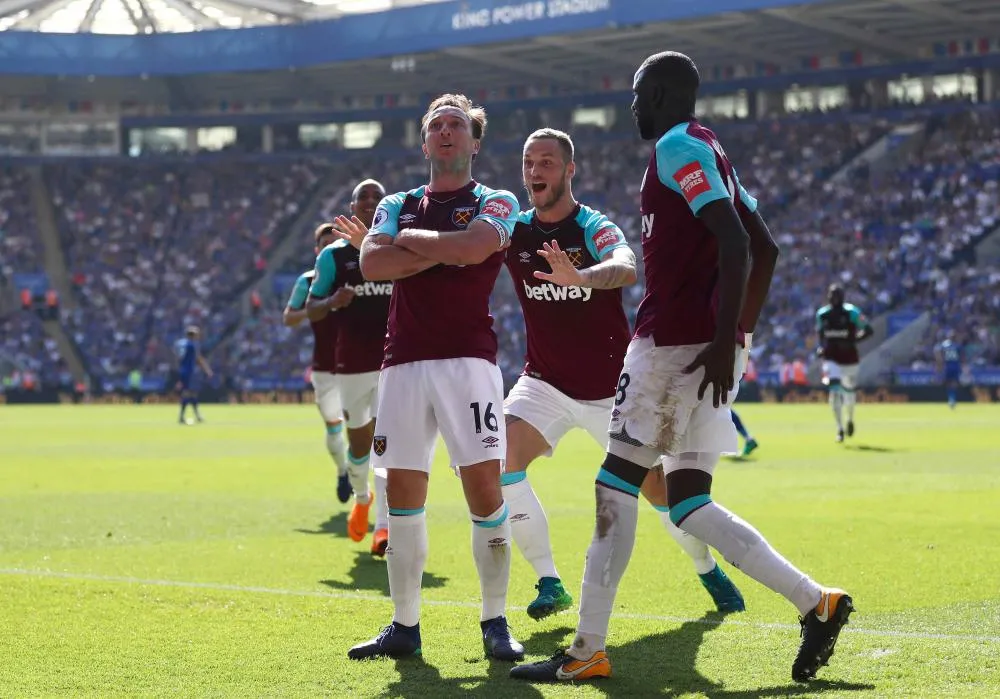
(443, 312)
(586, 324)
(687, 170)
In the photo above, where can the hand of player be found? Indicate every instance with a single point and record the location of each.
(350, 229)
(719, 362)
(341, 297)
(563, 272)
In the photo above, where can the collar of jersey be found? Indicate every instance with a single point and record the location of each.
(443, 197)
(546, 227)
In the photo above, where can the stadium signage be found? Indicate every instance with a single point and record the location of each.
(525, 12)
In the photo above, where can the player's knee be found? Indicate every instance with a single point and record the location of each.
(481, 484)
(405, 489)
(683, 484)
(621, 474)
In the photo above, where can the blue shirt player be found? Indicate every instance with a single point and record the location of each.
(950, 362)
(190, 358)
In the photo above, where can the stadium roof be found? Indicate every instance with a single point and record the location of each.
(897, 32)
(152, 16)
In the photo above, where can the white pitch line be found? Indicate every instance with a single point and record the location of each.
(342, 594)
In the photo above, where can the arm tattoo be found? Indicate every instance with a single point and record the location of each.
(614, 272)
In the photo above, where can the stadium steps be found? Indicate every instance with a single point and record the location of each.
(55, 268)
(328, 200)
(328, 195)
(890, 352)
(884, 152)
(987, 250)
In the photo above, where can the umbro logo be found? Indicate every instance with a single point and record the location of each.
(407, 219)
(525, 256)
(351, 265)
(490, 441)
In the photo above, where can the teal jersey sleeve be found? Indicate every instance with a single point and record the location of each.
(326, 273)
(819, 318)
(599, 233)
(300, 291)
(386, 221)
(857, 317)
(687, 165)
(500, 209)
(748, 201)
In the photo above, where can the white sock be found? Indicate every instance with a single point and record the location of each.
(744, 547)
(405, 560)
(607, 559)
(357, 474)
(381, 503)
(529, 525)
(837, 401)
(337, 447)
(849, 400)
(491, 551)
(700, 555)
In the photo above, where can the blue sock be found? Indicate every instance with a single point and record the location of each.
(952, 395)
(184, 407)
(194, 404)
(739, 425)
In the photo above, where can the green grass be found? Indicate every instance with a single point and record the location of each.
(138, 557)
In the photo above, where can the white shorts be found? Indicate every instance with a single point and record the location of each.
(657, 404)
(359, 394)
(847, 373)
(327, 389)
(461, 398)
(553, 413)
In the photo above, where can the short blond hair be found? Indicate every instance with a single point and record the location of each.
(476, 114)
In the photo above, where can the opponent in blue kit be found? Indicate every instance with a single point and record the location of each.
(949, 355)
(190, 358)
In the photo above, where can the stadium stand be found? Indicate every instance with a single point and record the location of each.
(181, 234)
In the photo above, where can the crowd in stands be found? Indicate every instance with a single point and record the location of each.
(28, 357)
(20, 245)
(153, 246)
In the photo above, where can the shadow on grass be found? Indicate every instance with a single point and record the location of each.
(420, 680)
(336, 525)
(872, 447)
(369, 573)
(666, 663)
(662, 664)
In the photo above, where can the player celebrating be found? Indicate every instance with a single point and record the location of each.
(190, 357)
(443, 245)
(324, 360)
(702, 292)
(577, 334)
(949, 355)
(841, 326)
(360, 343)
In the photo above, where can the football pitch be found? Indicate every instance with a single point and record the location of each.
(139, 557)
